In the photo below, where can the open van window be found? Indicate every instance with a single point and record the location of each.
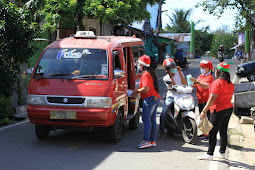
(73, 63)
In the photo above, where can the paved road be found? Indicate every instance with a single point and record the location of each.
(80, 149)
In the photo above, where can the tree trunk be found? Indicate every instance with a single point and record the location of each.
(161, 46)
(101, 26)
(81, 26)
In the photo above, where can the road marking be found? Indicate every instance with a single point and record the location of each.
(74, 147)
(16, 124)
(161, 78)
(234, 79)
(214, 163)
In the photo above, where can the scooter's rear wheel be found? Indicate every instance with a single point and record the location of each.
(189, 131)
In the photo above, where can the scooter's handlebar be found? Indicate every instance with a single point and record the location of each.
(180, 89)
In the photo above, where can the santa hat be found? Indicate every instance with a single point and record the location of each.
(223, 67)
(145, 60)
(206, 64)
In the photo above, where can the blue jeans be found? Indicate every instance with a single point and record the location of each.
(150, 106)
(166, 107)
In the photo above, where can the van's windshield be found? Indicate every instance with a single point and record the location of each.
(73, 63)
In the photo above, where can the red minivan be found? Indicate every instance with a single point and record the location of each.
(86, 81)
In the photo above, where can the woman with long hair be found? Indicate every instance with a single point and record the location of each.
(219, 103)
(150, 94)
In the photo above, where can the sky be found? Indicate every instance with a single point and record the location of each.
(227, 19)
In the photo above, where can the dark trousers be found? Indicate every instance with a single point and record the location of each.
(219, 121)
(201, 107)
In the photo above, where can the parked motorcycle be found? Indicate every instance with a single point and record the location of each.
(181, 115)
(182, 63)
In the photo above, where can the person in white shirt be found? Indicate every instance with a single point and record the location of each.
(176, 76)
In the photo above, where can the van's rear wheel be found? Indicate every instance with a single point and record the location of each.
(115, 131)
(189, 131)
(42, 131)
(134, 122)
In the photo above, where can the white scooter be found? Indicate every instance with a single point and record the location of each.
(181, 115)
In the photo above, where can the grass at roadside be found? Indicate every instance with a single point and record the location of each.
(235, 139)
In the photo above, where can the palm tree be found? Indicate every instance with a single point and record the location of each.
(179, 21)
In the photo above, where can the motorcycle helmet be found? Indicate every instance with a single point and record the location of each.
(206, 64)
(169, 64)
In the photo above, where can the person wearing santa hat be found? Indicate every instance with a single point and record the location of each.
(202, 84)
(149, 91)
(219, 103)
(176, 76)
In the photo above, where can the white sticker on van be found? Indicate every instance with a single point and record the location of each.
(40, 71)
(68, 54)
(104, 69)
(86, 51)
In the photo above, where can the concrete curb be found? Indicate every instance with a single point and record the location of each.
(236, 138)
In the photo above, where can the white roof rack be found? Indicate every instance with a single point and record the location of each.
(85, 34)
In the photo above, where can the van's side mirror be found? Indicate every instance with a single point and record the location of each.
(119, 74)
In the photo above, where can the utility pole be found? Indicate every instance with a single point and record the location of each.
(246, 49)
(191, 47)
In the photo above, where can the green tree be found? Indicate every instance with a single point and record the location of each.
(245, 10)
(71, 12)
(222, 37)
(17, 31)
(203, 40)
(179, 21)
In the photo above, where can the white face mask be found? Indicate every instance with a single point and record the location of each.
(139, 68)
(202, 71)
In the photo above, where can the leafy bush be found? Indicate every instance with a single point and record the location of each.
(6, 110)
(17, 31)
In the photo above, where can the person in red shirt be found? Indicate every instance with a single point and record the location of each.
(202, 84)
(150, 94)
(219, 103)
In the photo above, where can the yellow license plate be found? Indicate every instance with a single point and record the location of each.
(63, 115)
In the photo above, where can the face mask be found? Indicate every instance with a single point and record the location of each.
(139, 69)
(202, 71)
(173, 70)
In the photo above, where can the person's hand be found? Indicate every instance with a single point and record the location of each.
(179, 69)
(193, 79)
(169, 73)
(203, 115)
(135, 92)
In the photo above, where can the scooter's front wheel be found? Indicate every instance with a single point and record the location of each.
(189, 131)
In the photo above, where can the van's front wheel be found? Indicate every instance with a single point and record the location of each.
(42, 131)
(134, 122)
(115, 131)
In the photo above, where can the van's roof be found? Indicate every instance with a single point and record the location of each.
(101, 42)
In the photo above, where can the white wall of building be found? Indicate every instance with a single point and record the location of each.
(92, 24)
